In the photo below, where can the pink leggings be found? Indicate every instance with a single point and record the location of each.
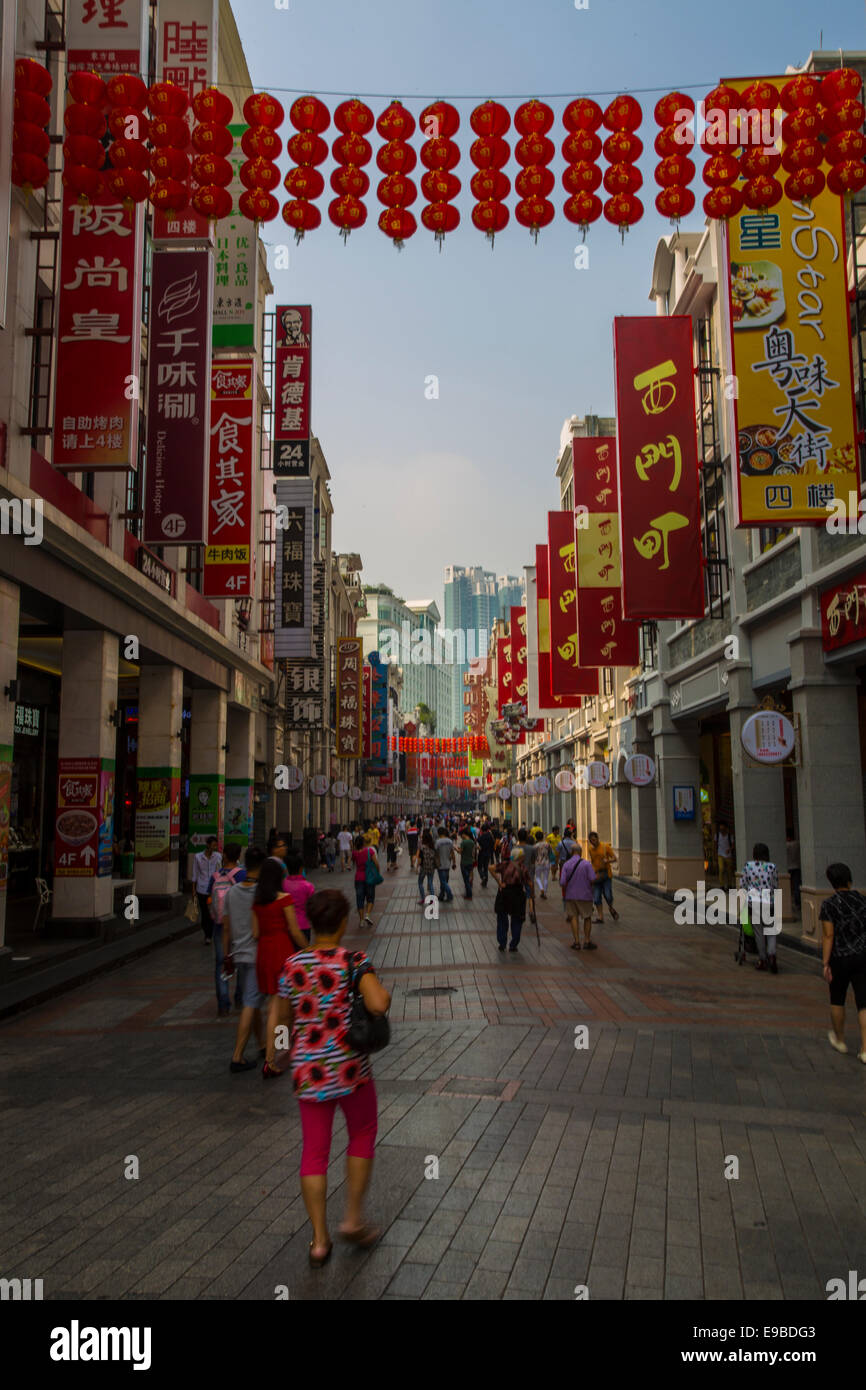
(317, 1122)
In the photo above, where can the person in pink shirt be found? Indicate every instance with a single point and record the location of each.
(576, 878)
(299, 889)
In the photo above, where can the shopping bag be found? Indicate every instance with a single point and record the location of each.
(192, 913)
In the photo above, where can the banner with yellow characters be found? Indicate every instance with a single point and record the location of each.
(794, 404)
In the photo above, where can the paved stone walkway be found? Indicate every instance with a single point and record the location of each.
(558, 1165)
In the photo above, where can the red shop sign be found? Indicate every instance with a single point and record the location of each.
(228, 556)
(843, 613)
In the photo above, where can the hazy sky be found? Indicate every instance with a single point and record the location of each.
(518, 338)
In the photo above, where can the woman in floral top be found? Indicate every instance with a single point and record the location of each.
(760, 879)
(425, 862)
(315, 1002)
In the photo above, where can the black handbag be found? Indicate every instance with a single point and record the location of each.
(367, 1032)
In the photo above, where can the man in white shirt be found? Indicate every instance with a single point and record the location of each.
(446, 861)
(204, 866)
(344, 840)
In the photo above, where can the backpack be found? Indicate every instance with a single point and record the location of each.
(223, 880)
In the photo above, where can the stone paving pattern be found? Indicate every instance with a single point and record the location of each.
(557, 1166)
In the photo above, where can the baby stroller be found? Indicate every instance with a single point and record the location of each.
(746, 943)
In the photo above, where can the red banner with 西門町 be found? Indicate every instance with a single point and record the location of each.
(567, 676)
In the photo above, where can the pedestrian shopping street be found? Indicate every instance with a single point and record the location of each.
(558, 1165)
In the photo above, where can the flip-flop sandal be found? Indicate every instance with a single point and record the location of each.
(364, 1237)
(590, 946)
(575, 946)
(316, 1261)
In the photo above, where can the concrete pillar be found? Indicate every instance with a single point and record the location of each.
(207, 768)
(759, 793)
(829, 778)
(680, 843)
(9, 608)
(644, 820)
(157, 811)
(240, 774)
(86, 751)
(621, 830)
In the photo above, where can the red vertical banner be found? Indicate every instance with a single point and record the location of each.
(567, 676)
(350, 698)
(228, 556)
(368, 709)
(96, 399)
(292, 384)
(546, 697)
(519, 676)
(178, 397)
(660, 515)
(605, 638)
(503, 666)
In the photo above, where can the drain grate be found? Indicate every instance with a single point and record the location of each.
(437, 989)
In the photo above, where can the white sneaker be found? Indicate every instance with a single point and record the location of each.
(839, 1046)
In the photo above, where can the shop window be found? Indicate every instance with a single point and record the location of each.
(769, 536)
(606, 681)
(195, 566)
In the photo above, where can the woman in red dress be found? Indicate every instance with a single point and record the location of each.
(276, 930)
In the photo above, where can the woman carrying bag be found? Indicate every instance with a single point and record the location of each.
(367, 879)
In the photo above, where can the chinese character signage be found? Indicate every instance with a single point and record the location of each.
(794, 409)
(292, 391)
(350, 697)
(659, 502)
(157, 814)
(235, 267)
(178, 397)
(567, 676)
(228, 556)
(519, 656)
(368, 708)
(106, 36)
(768, 736)
(307, 690)
(503, 666)
(76, 825)
(188, 43)
(547, 701)
(98, 336)
(293, 616)
(605, 638)
(378, 712)
(843, 613)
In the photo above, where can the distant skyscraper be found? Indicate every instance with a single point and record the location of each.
(474, 599)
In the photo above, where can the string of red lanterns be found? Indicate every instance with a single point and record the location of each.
(31, 117)
(490, 153)
(721, 170)
(85, 126)
(212, 141)
(351, 151)
(622, 178)
(581, 148)
(534, 153)
(843, 121)
(396, 159)
(129, 128)
(440, 155)
(169, 142)
(675, 169)
(311, 118)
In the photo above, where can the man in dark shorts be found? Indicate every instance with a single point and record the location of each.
(843, 922)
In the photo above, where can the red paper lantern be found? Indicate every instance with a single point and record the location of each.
(848, 144)
(803, 154)
(167, 99)
(353, 117)
(257, 205)
(346, 178)
(84, 120)
(212, 201)
(127, 90)
(533, 118)
(674, 140)
(723, 202)
(31, 76)
(440, 218)
(534, 182)
(675, 202)
(534, 149)
(582, 114)
(582, 177)
(623, 113)
(211, 170)
(721, 169)
(263, 109)
(347, 213)
(125, 123)
(128, 184)
(86, 87)
(622, 178)
(805, 185)
(84, 149)
(212, 107)
(622, 148)
(86, 182)
(438, 186)
(309, 114)
(801, 93)
(581, 146)
(802, 125)
(490, 119)
(440, 153)
(302, 216)
(209, 138)
(29, 171)
(169, 132)
(129, 154)
(396, 123)
(490, 217)
(762, 192)
(169, 195)
(489, 152)
(260, 142)
(439, 121)
(669, 107)
(304, 182)
(490, 185)
(169, 163)
(398, 224)
(623, 210)
(534, 213)
(675, 171)
(760, 96)
(397, 191)
(348, 149)
(758, 159)
(847, 177)
(259, 173)
(396, 158)
(840, 84)
(30, 106)
(30, 139)
(845, 115)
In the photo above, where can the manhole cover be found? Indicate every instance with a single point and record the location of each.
(437, 989)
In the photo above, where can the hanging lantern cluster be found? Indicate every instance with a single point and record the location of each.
(351, 151)
(533, 153)
(721, 169)
(169, 141)
(304, 182)
(129, 128)
(675, 169)
(622, 178)
(802, 151)
(32, 114)
(262, 146)
(85, 125)
(760, 162)
(581, 149)
(396, 159)
(490, 153)
(440, 122)
(844, 115)
(212, 142)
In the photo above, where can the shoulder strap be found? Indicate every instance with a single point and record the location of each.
(573, 872)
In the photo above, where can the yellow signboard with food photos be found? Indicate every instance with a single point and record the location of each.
(795, 416)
